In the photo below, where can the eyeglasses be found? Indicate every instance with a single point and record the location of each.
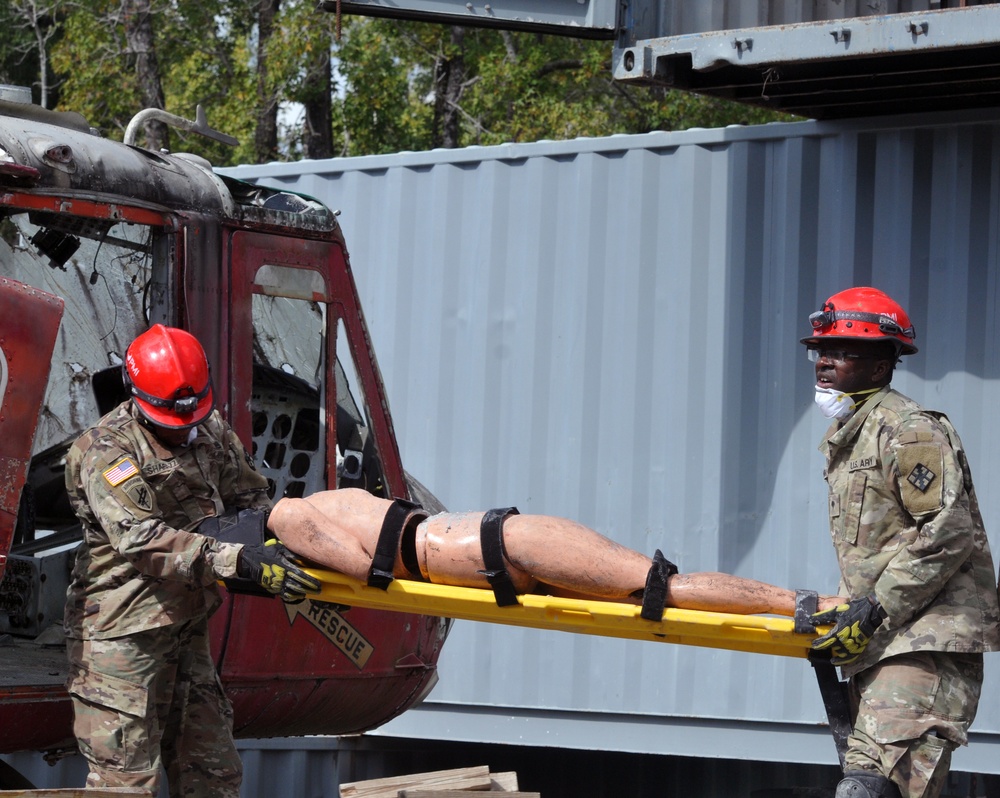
(836, 355)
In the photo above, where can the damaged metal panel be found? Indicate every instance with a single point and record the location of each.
(649, 19)
(104, 285)
(580, 18)
(607, 330)
(822, 60)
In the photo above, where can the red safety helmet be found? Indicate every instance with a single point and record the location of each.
(166, 372)
(865, 314)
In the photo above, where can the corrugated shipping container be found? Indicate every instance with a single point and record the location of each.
(826, 59)
(651, 18)
(607, 329)
(821, 59)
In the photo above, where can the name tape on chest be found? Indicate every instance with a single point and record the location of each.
(122, 470)
(862, 463)
(158, 467)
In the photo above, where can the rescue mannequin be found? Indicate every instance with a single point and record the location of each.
(340, 529)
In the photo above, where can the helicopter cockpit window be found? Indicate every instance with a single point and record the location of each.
(287, 398)
(358, 464)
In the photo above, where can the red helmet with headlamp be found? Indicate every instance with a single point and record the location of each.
(167, 375)
(862, 314)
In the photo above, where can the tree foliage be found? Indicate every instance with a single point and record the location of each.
(289, 81)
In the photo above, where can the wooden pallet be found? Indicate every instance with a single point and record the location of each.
(456, 783)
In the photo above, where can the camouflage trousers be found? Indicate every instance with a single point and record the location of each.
(911, 712)
(151, 699)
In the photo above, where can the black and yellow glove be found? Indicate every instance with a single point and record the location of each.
(277, 570)
(854, 624)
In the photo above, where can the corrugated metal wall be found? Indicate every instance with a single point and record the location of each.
(608, 330)
(679, 17)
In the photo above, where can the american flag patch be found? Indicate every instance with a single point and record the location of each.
(120, 471)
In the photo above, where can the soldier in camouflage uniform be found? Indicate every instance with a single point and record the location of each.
(913, 554)
(144, 687)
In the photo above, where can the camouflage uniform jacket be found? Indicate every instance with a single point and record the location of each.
(906, 526)
(140, 565)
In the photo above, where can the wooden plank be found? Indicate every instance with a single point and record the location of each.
(503, 782)
(458, 794)
(473, 778)
(71, 792)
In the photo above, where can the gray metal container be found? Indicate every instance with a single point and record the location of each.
(825, 60)
(607, 329)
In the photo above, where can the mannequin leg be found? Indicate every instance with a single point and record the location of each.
(336, 528)
(339, 529)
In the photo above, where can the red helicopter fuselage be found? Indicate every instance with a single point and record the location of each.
(98, 240)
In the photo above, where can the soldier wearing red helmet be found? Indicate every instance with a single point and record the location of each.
(913, 555)
(863, 314)
(167, 374)
(142, 482)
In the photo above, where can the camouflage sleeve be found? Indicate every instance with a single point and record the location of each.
(126, 509)
(930, 482)
(242, 485)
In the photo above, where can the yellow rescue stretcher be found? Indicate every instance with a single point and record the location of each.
(758, 634)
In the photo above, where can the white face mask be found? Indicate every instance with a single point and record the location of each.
(836, 404)
(192, 434)
(833, 403)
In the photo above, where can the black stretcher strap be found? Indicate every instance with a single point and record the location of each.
(806, 605)
(491, 540)
(654, 596)
(380, 573)
(408, 544)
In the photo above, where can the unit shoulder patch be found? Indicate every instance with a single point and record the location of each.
(140, 494)
(920, 469)
(921, 477)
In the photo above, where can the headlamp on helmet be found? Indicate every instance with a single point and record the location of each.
(863, 314)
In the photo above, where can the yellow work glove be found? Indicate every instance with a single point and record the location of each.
(854, 624)
(276, 569)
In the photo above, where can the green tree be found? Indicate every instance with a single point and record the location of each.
(30, 27)
(288, 81)
(418, 86)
